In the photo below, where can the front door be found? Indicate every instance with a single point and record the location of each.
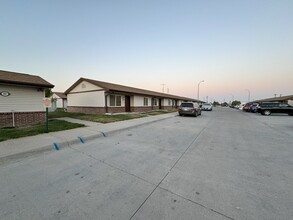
(127, 104)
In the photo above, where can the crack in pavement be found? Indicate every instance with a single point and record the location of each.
(158, 185)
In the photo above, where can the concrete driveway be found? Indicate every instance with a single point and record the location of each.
(224, 164)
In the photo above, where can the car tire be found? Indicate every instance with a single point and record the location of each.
(266, 112)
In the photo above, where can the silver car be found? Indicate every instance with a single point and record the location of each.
(207, 107)
(189, 108)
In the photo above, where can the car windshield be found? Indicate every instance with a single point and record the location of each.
(207, 104)
(189, 105)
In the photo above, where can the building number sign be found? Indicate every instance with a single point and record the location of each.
(4, 93)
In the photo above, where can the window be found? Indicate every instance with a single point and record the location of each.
(284, 105)
(169, 102)
(155, 102)
(118, 100)
(115, 100)
(145, 101)
(187, 105)
(112, 100)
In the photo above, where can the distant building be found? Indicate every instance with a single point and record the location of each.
(21, 99)
(288, 99)
(92, 96)
(59, 101)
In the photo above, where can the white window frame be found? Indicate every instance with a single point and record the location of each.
(116, 100)
(145, 101)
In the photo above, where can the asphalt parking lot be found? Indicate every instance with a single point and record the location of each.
(225, 164)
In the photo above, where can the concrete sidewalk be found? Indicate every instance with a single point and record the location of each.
(22, 147)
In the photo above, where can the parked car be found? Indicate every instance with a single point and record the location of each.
(189, 108)
(253, 107)
(266, 108)
(246, 107)
(207, 107)
(241, 106)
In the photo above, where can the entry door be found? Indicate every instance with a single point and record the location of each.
(127, 104)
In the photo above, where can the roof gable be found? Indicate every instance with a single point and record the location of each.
(23, 79)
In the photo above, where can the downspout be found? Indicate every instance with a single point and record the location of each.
(13, 119)
(106, 103)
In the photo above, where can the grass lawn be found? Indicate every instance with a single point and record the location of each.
(59, 125)
(103, 118)
(54, 125)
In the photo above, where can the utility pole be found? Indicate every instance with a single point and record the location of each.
(163, 89)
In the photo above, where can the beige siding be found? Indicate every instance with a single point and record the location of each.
(87, 99)
(21, 99)
(85, 86)
(138, 101)
(166, 102)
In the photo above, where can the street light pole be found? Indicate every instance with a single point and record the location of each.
(198, 89)
(232, 98)
(248, 94)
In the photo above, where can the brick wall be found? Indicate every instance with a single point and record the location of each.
(21, 119)
(169, 108)
(102, 110)
(141, 109)
(86, 110)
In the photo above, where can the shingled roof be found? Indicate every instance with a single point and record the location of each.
(111, 87)
(23, 79)
(61, 95)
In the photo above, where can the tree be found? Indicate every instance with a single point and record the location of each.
(236, 102)
(216, 103)
(48, 93)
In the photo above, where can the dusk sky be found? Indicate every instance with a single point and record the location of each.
(233, 45)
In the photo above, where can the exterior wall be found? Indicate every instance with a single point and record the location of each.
(21, 99)
(290, 102)
(138, 101)
(138, 104)
(86, 99)
(21, 118)
(169, 107)
(85, 86)
(24, 106)
(86, 110)
(141, 109)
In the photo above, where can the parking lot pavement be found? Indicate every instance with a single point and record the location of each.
(215, 166)
(282, 123)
